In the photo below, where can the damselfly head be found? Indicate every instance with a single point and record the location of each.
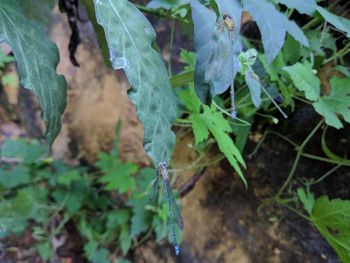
(162, 165)
(229, 24)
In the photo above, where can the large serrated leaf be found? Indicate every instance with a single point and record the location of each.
(303, 6)
(272, 30)
(332, 219)
(129, 36)
(37, 58)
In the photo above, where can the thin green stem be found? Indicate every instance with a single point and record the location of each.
(319, 180)
(171, 45)
(297, 158)
(285, 204)
(340, 54)
(228, 114)
(151, 11)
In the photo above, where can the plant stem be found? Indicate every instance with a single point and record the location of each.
(171, 44)
(340, 54)
(151, 11)
(282, 202)
(297, 158)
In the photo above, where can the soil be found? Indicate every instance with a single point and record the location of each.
(222, 223)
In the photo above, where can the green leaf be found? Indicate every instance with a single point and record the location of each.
(307, 198)
(39, 10)
(45, 250)
(141, 220)
(341, 23)
(338, 102)
(200, 129)
(22, 149)
(73, 197)
(189, 97)
(125, 239)
(219, 127)
(17, 176)
(332, 219)
(303, 6)
(117, 218)
(320, 40)
(37, 58)
(117, 175)
(100, 256)
(68, 177)
(129, 36)
(272, 32)
(305, 80)
(291, 51)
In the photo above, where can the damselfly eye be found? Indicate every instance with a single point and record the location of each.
(225, 16)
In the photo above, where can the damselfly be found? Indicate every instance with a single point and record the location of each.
(174, 213)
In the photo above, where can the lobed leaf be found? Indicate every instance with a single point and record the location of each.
(219, 127)
(129, 36)
(332, 219)
(37, 58)
(338, 102)
(305, 80)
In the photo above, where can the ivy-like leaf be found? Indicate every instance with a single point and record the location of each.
(305, 80)
(338, 102)
(332, 219)
(37, 58)
(272, 31)
(129, 36)
(341, 23)
(303, 6)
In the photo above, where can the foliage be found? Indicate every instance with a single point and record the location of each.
(332, 219)
(47, 195)
(337, 102)
(280, 69)
(129, 36)
(37, 58)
